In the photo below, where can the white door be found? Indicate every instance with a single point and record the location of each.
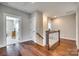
(12, 29)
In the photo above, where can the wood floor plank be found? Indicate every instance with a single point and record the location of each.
(66, 48)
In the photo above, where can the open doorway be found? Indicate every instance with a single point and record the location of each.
(12, 29)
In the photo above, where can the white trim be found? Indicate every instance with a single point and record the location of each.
(4, 27)
(24, 40)
(14, 43)
(77, 30)
(2, 46)
(44, 42)
(40, 44)
(69, 38)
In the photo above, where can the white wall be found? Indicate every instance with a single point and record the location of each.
(37, 26)
(45, 27)
(25, 26)
(33, 26)
(67, 26)
(40, 25)
(77, 27)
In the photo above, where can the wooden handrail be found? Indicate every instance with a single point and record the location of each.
(39, 35)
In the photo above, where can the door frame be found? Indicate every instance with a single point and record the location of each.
(15, 16)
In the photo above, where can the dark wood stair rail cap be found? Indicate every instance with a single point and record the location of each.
(39, 35)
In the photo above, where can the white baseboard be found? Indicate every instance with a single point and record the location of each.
(25, 40)
(40, 44)
(68, 38)
(3, 45)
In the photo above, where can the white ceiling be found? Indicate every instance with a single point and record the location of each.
(51, 9)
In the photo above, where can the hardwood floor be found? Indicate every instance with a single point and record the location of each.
(66, 48)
